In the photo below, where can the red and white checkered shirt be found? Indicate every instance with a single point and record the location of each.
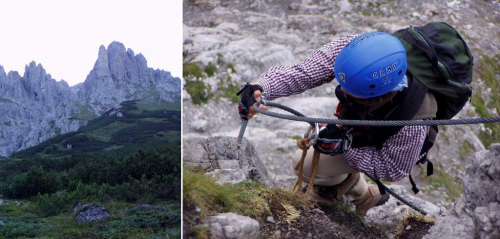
(399, 152)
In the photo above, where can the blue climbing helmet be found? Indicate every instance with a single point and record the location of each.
(371, 65)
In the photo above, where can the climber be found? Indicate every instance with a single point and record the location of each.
(374, 84)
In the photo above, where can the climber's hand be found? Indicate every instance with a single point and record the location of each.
(250, 94)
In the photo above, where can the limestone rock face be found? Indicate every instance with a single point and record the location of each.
(389, 214)
(221, 158)
(92, 213)
(233, 226)
(255, 35)
(34, 107)
(477, 212)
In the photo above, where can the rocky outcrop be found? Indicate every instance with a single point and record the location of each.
(232, 226)
(34, 107)
(477, 212)
(221, 158)
(92, 213)
(78, 206)
(390, 214)
(119, 75)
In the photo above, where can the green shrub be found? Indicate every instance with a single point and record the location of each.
(36, 181)
(199, 92)
(230, 89)
(191, 69)
(53, 204)
(210, 69)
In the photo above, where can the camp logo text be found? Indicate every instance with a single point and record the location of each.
(385, 71)
(364, 37)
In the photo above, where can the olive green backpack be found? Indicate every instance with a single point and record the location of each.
(439, 58)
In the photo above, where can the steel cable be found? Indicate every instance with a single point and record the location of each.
(300, 117)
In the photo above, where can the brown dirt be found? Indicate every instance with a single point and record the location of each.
(353, 223)
(317, 223)
(326, 222)
(311, 224)
(417, 229)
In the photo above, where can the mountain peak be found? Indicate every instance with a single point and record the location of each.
(101, 66)
(2, 71)
(33, 65)
(130, 52)
(115, 45)
(34, 71)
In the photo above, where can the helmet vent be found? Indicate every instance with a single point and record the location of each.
(400, 72)
(372, 86)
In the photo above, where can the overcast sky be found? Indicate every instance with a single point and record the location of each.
(65, 35)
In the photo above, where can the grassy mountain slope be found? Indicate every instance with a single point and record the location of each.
(127, 160)
(134, 125)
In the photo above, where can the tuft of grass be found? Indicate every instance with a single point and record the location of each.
(441, 179)
(296, 137)
(465, 150)
(199, 91)
(231, 66)
(445, 137)
(192, 69)
(200, 232)
(230, 89)
(488, 68)
(203, 192)
(373, 182)
(210, 69)
(248, 198)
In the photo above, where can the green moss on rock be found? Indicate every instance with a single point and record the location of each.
(192, 69)
(199, 91)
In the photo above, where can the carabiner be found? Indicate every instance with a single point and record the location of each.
(314, 134)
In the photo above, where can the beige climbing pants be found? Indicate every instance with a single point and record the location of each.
(332, 170)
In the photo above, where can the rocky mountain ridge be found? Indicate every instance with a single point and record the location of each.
(35, 107)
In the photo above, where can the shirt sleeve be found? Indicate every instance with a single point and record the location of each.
(395, 159)
(317, 69)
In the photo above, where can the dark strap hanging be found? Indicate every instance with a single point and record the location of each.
(413, 185)
(430, 165)
(381, 187)
(428, 143)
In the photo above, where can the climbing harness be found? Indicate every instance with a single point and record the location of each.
(306, 142)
